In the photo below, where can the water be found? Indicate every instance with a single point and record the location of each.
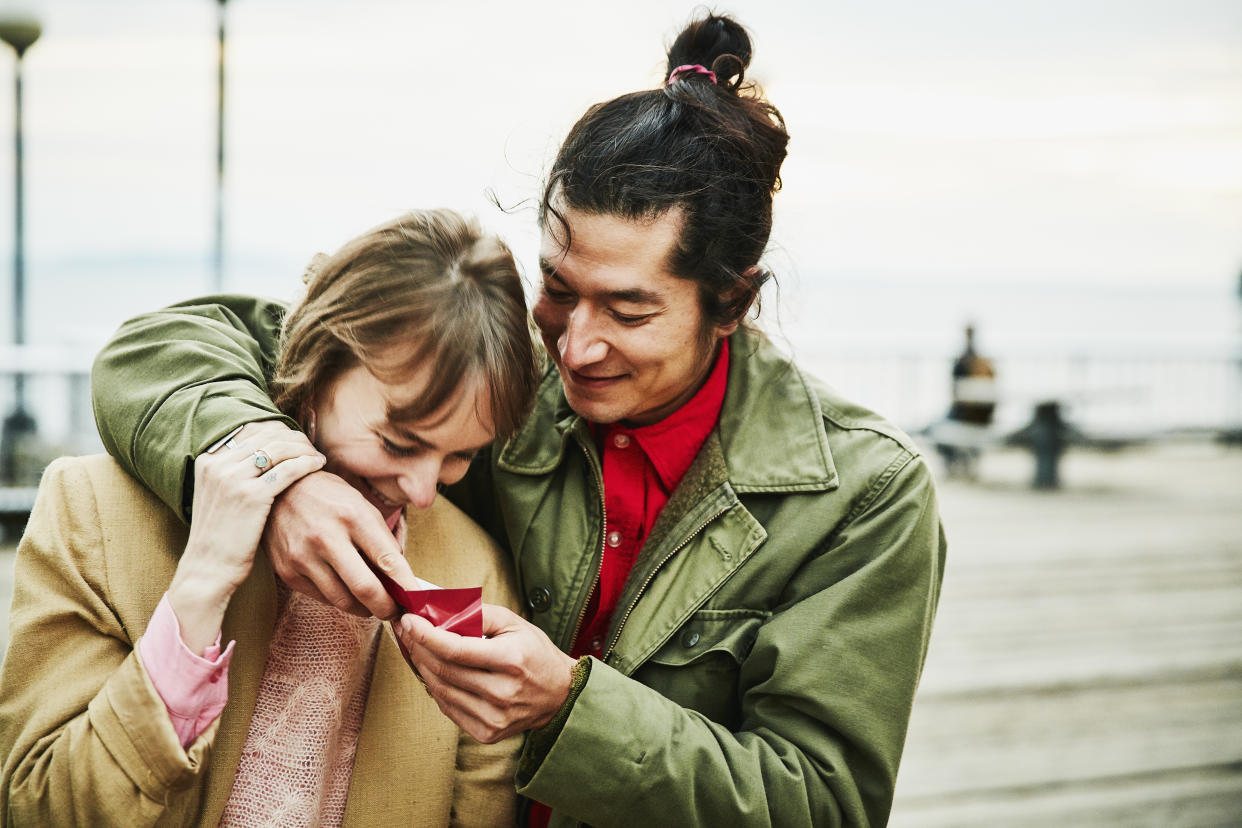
(1126, 357)
(1125, 360)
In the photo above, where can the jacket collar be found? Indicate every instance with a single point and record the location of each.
(767, 395)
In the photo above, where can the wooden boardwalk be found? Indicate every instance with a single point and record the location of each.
(1086, 667)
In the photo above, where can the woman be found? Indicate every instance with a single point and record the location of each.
(409, 353)
(731, 571)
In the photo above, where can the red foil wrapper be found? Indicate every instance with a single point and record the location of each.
(455, 610)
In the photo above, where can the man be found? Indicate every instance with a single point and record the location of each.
(731, 572)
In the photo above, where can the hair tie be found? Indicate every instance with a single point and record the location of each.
(691, 67)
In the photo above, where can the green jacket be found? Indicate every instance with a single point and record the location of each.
(763, 660)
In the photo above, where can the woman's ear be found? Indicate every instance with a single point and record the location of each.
(309, 419)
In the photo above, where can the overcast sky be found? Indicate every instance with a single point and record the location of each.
(1094, 140)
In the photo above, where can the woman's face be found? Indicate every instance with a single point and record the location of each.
(627, 335)
(395, 464)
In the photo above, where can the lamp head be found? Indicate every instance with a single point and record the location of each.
(20, 33)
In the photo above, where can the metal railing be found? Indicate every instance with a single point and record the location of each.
(1128, 394)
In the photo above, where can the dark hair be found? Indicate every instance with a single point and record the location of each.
(429, 280)
(712, 150)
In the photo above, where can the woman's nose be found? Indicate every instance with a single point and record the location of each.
(418, 483)
(581, 343)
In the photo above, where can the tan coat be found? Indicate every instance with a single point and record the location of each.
(84, 736)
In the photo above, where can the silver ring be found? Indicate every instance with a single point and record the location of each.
(262, 459)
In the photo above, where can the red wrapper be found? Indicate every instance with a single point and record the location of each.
(455, 610)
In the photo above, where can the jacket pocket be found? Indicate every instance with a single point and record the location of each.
(698, 666)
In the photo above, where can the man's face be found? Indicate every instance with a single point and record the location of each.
(626, 334)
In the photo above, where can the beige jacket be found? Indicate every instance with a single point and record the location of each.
(85, 738)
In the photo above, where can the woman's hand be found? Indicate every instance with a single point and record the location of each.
(234, 486)
(513, 679)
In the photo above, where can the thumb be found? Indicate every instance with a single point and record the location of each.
(497, 620)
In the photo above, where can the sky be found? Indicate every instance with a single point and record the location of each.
(956, 142)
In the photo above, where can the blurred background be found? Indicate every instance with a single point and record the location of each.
(1065, 176)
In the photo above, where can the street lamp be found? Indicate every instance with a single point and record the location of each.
(20, 33)
(219, 249)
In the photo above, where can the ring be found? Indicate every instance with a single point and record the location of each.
(262, 459)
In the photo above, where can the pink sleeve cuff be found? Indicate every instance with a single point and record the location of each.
(194, 688)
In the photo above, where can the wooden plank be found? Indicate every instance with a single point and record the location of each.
(1086, 667)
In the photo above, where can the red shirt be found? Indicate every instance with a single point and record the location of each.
(642, 466)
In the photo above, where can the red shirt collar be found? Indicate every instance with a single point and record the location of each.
(672, 443)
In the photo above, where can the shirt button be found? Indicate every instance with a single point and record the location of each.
(614, 538)
(597, 644)
(539, 598)
(690, 638)
(621, 440)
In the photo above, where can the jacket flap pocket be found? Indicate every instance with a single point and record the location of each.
(708, 632)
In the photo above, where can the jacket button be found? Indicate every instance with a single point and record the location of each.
(690, 638)
(539, 599)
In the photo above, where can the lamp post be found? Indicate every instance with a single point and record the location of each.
(18, 425)
(218, 272)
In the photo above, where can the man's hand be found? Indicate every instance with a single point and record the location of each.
(314, 536)
(315, 532)
(512, 680)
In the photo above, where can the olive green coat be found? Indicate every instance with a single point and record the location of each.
(763, 660)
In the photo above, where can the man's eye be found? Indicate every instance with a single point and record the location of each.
(557, 295)
(631, 319)
(398, 450)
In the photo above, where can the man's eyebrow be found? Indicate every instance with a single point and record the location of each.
(634, 295)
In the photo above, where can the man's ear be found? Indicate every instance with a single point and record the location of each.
(741, 297)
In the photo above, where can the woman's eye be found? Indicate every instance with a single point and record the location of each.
(398, 450)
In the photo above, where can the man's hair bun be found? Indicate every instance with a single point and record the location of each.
(718, 43)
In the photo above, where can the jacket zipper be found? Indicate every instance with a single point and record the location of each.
(603, 534)
(616, 635)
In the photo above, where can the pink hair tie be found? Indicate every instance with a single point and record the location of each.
(692, 67)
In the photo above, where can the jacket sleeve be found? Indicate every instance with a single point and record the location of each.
(172, 382)
(84, 736)
(825, 691)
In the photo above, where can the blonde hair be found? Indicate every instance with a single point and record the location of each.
(430, 280)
